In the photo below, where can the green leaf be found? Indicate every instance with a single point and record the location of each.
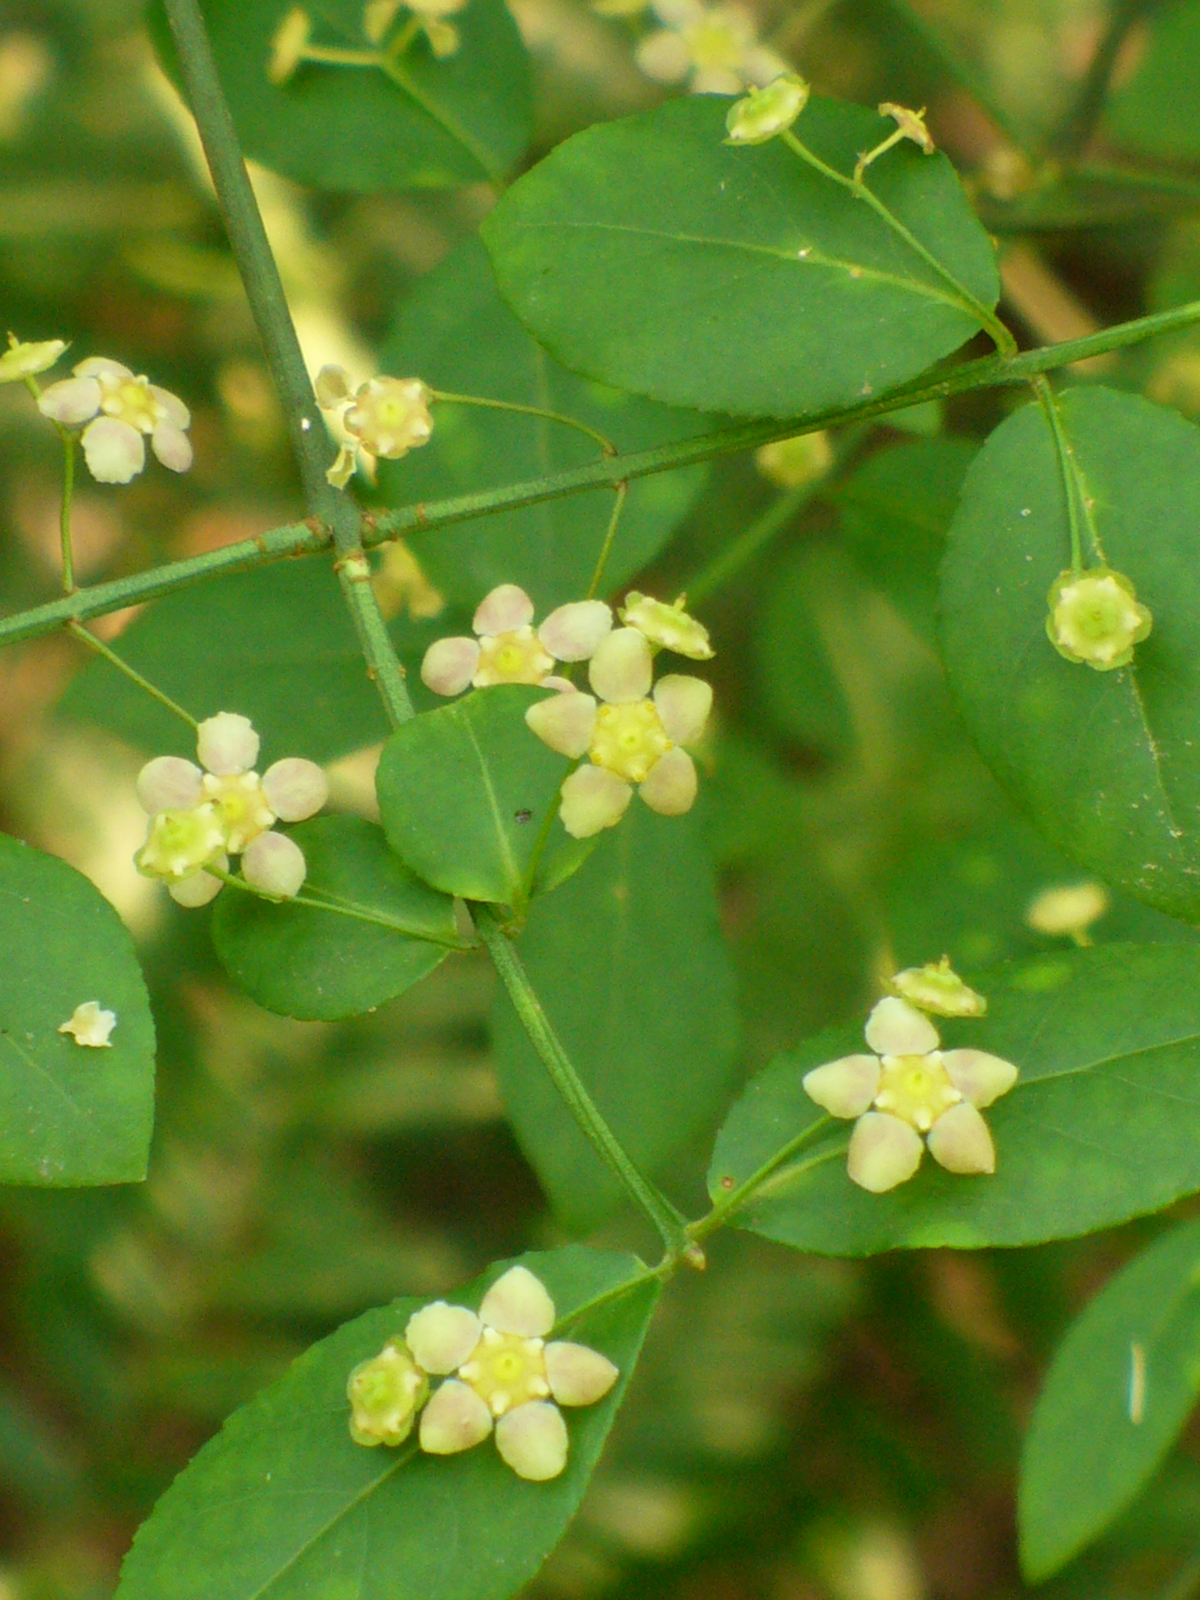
(324, 964)
(1108, 763)
(1104, 1124)
(1117, 1394)
(275, 644)
(454, 121)
(629, 962)
(647, 253)
(69, 1114)
(896, 510)
(1155, 111)
(459, 335)
(282, 1505)
(465, 792)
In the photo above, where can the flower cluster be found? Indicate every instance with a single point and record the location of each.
(386, 416)
(714, 49)
(1095, 618)
(910, 1093)
(120, 411)
(202, 815)
(500, 1377)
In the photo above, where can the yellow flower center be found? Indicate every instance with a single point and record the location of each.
(181, 842)
(917, 1089)
(516, 657)
(241, 806)
(129, 400)
(629, 739)
(506, 1370)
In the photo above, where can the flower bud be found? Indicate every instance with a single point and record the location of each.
(791, 463)
(23, 360)
(938, 988)
(1095, 618)
(227, 744)
(274, 865)
(295, 788)
(766, 112)
(1070, 909)
(385, 1394)
(668, 627)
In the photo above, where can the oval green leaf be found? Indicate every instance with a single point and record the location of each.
(1104, 1124)
(457, 333)
(629, 962)
(650, 255)
(1108, 763)
(465, 792)
(70, 1114)
(435, 123)
(1117, 1394)
(283, 1505)
(382, 931)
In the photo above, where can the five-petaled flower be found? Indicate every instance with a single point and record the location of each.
(120, 410)
(629, 736)
(201, 815)
(715, 49)
(909, 1089)
(507, 649)
(1095, 618)
(89, 1024)
(386, 416)
(501, 1375)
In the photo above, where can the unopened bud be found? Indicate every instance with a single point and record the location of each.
(767, 112)
(1095, 618)
(385, 1394)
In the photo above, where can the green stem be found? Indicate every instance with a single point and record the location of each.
(1003, 339)
(1066, 465)
(1080, 122)
(336, 907)
(64, 522)
(957, 66)
(298, 539)
(610, 533)
(736, 1198)
(77, 631)
(333, 56)
(606, 445)
(670, 1223)
(310, 441)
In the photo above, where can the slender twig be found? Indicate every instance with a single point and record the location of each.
(670, 1223)
(1080, 122)
(264, 290)
(745, 1191)
(337, 907)
(64, 521)
(610, 533)
(77, 631)
(300, 539)
(1072, 491)
(606, 444)
(958, 67)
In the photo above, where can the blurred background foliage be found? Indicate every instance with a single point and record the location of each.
(800, 1429)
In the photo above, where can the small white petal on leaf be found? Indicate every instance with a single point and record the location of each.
(564, 721)
(895, 1028)
(455, 1419)
(441, 1336)
(578, 1375)
(518, 1303)
(961, 1141)
(979, 1077)
(671, 784)
(883, 1152)
(532, 1440)
(846, 1087)
(90, 1025)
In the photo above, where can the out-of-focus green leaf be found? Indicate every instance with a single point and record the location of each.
(1108, 763)
(457, 333)
(465, 791)
(629, 962)
(1108, 1046)
(69, 1114)
(283, 1504)
(1156, 110)
(276, 644)
(649, 254)
(391, 930)
(458, 120)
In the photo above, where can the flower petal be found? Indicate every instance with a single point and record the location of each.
(200, 888)
(895, 1028)
(961, 1141)
(450, 664)
(573, 631)
(275, 864)
(174, 410)
(717, 80)
(101, 367)
(664, 56)
(670, 786)
(72, 400)
(532, 1440)
(332, 387)
(114, 451)
(622, 668)
(455, 1419)
(883, 1152)
(507, 607)
(846, 1087)
(169, 783)
(564, 721)
(683, 704)
(518, 1303)
(578, 1376)
(227, 744)
(979, 1077)
(172, 447)
(593, 798)
(295, 788)
(441, 1336)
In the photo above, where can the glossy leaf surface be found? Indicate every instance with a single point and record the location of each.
(323, 964)
(69, 1114)
(649, 254)
(1108, 1046)
(1117, 1394)
(283, 1505)
(629, 962)
(1108, 763)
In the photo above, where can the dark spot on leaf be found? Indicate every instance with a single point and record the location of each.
(524, 815)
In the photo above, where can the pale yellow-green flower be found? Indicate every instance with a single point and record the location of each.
(1068, 909)
(764, 113)
(89, 1024)
(508, 649)
(120, 410)
(667, 627)
(1095, 618)
(714, 49)
(22, 361)
(791, 463)
(387, 416)
(938, 988)
(385, 1394)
